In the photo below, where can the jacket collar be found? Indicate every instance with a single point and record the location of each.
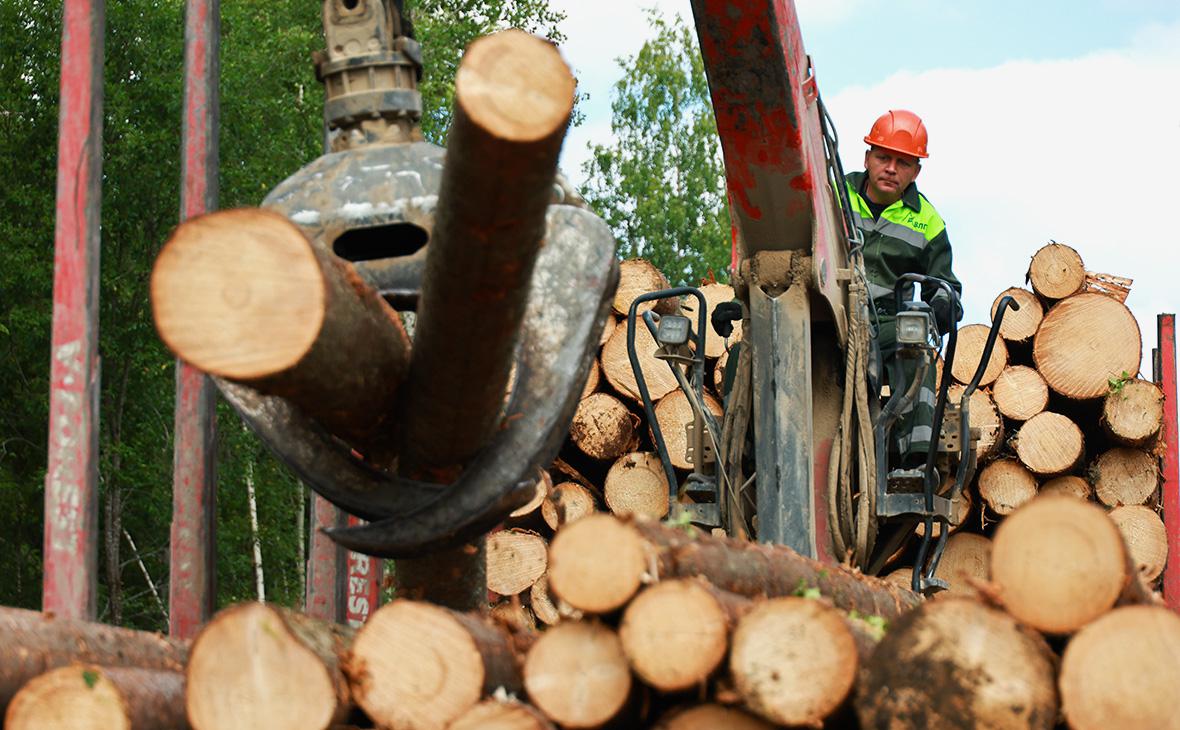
(909, 197)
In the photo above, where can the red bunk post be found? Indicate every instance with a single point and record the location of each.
(1165, 375)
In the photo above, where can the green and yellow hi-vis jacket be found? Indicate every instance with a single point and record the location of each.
(909, 237)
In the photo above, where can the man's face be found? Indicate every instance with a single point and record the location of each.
(889, 174)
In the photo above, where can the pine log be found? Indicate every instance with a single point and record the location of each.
(502, 715)
(1071, 485)
(1005, 484)
(965, 561)
(711, 717)
(576, 673)
(969, 352)
(985, 417)
(1122, 670)
(603, 428)
(35, 643)
(416, 665)
(676, 633)
(549, 609)
(244, 295)
(1058, 563)
(616, 364)
(1124, 476)
(637, 277)
(794, 660)
(636, 485)
(1020, 393)
(568, 502)
(715, 293)
(1056, 272)
(1019, 325)
(1146, 538)
(674, 415)
(544, 486)
(282, 668)
(598, 564)
(592, 380)
(516, 559)
(1049, 444)
(956, 663)
(1085, 343)
(90, 697)
(1133, 412)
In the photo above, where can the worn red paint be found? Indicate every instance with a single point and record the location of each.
(324, 597)
(1166, 325)
(69, 585)
(363, 592)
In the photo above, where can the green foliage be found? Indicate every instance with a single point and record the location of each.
(660, 182)
(1116, 385)
(90, 677)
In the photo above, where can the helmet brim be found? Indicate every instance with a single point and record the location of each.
(898, 150)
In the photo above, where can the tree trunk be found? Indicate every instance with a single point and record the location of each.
(90, 697)
(600, 562)
(969, 352)
(1005, 484)
(1021, 324)
(1049, 444)
(416, 665)
(576, 673)
(637, 277)
(516, 559)
(1058, 563)
(965, 561)
(282, 669)
(674, 414)
(244, 295)
(955, 663)
(255, 538)
(1124, 476)
(1121, 671)
(1056, 272)
(1071, 485)
(711, 717)
(1133, 412)
(985, 417)
(715, 293)
(636, 485)
(603, 428)
(1146, 538)
(147, 577)
(502, 715)
(35, 642)
(1020, 393)
(569, 501)
(1085, 343)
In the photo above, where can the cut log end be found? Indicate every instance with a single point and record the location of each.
(1049, 444)
(1133, 412)
(566, 503)
(636, 277)
(577, 674)
(603, 428)
(966, 559)
(969, 353)
(712, 717)
(1004, 485)
(1057, 271)
(596, 564)
(1019, 324)
(715, 293)
(89, 697)
(515, 560)
(674, 414)
(1085, 343)
(985, 417)
(543, 486)
(1069, 485)
(616, 364)
(1146, 538)
(636, 485)
(1124, 476)
(1020, 393)
(501, 715)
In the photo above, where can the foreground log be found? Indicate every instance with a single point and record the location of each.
(636, 485)
(955, 663)
(616, 364)
(281, 667)
(35, 643)
(90, 697)
(502, 715)
(416, 665)
(1084, 343)
(603, 428)
(1049, 444)
(1019, 325)
(1133, 412)
(1058, 563)
(1122, 670)
(1005, 484)
(598, 564)
(711, 717)
(244, 295)
(969, 353)
(984, 416)
(1146, 538)
(674, 415)
(576, 673)
(966, 561)
(1124, 476)
(516, 559)
(1056, 272)
(1020, 393)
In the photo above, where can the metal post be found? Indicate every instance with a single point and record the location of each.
(324, 595)
(192, 586)
(71, 481)
(1165, 375)
(364, 584)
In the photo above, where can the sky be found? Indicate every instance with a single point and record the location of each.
(1048, 120)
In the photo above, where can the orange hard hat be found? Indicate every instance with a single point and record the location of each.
(899, 131)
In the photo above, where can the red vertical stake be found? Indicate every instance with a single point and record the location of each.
(363, 590)
(1166, 377)
(326, 568)
(71, 480)
(192, 586)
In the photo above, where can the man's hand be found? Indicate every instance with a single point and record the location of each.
(723, 317)
(942, 314)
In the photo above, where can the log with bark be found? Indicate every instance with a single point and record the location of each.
(416, 665)
(636, 485)
(603, 428)
(1005, 484)
(1121, 671)
(1085, 343)
(1146, 538)
(1020, 393)
(1133, 412)
(92, 697)
(1019, 325)
(674, 415)
(711, 717)
(1056, 272)
(966, 561)
(956, 663)
(616, 364)
(516, 559)
(35, 643)
(569, 501)
(598, 564)
(714, 294)
(576, 673)
(969, 353)
(244, 295)
(502, 715)
(1049, 444)
(1124, 476)
(282, 668)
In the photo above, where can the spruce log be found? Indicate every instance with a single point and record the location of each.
(90, 697)
(1020, 393)
(616, 364)
(416, 665)
(576, 673)
(636, 485)
(592, 380)
(568, 502)
(715, 293)
(516, 559)
(1019, 325)
(1133, 412)
(35, 643)
(676, 633)
(1005, 484)
(956, 663)
(1122, 670)
(969, 352)
(1124, 476)
(711, 717)
(1056, 272)
(1049, 444)
(985, 417)
(1071, 485)
(1146, 538)
(597, 564)
(242, 294)
(637, 277)
(603, 428)
(1085, 343)
(502, 715)
(282, 668)
(1058, 563)
(674, 415)
(965, 561)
